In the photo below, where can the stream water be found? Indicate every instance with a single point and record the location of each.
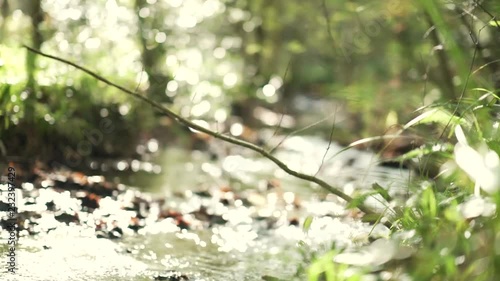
(244, 248)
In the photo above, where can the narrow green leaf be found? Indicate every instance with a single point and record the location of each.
(436, 115)
(4, 98)
(429, 202)
(494, 145)
(358, 201)
(307, 223)
(382, 191)
(495, 23)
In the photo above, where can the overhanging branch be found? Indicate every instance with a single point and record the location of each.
(197, 127)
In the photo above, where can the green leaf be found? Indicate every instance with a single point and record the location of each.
(436, 115)
(307, 223)
(358, 200)
(495, 23)
(444, 149)
(4, 98)
(494, 145)
(382, 191)
(429, 202)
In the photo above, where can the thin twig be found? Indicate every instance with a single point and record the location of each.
(197, 127)
(444, 61)
(298, 131)
(326, 15)
(278, 126)
(329, 142)
(140, 81)
(486, 11)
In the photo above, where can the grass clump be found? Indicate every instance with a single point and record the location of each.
(447, 227)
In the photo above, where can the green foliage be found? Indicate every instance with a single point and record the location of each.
(323, 269)
(437, 115)
(451, 225)
(453, 228)
(494, 23)
(307, 223)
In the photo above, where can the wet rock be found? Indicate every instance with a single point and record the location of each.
(101, 234)
(4, 207)
(204, 215)
(103, 189)
(294, 222)
(27, 217)
(67, 185)
(398, 142)
(141, 206)
(178, 218)
(225, 202)
(170, 214)
(5, 223)
(115, 233)
(30, 201)
(67, 218)
(203, 193)
(90, 201)
(171, 275)
(136, 223)
(51, 206)
(182, 224)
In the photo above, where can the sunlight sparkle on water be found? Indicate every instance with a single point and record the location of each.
(241, 215)
(228, 239)
(211, 169)
(89, 258)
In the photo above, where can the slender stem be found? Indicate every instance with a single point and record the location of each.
(444, 61)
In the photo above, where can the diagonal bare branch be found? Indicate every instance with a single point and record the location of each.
(190, 124)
